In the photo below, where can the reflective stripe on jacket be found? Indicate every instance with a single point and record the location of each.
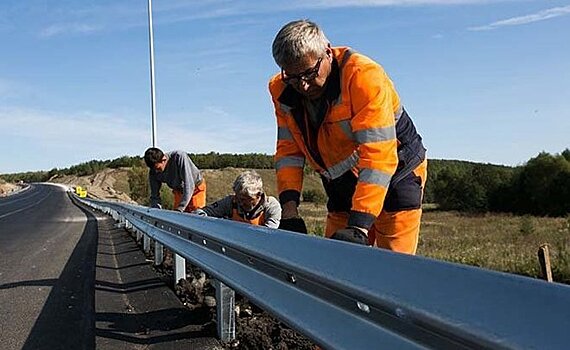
(365, 142)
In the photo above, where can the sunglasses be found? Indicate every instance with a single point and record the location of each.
(307, 76)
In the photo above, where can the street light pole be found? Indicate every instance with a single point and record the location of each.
(152, 90)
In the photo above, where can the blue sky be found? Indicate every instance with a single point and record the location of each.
(484, 80)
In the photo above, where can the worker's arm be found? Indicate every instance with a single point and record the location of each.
(289, 159)
(222, 208)
(373, 123)
(155, 201)
(272, 212)
(184, 167)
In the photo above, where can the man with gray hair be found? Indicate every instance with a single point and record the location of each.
(339, 111)
(248, 203)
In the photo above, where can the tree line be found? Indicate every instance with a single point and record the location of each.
(540, 187)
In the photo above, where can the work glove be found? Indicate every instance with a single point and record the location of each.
(296, 224)
(199, 212)
(351, 234)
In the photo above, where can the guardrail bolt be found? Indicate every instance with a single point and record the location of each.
(363, 307)
(291, 278)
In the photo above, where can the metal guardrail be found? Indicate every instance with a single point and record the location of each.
(346, 296)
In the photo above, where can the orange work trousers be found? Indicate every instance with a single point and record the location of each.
(398, 231)
(197, 201)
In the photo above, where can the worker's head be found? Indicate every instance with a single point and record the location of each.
(155, 159)
(248, 189)
(305, 57)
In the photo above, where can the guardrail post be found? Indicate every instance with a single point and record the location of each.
(544, 260)
(139, 235)
(179, 268)
(225, 311)
(158, 253)
(146, 244)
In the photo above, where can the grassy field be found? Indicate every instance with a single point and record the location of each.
(499, 242)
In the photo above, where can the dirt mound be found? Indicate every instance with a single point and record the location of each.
(108, 184)
(7, 189)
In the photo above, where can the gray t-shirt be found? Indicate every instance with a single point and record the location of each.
(180, 174)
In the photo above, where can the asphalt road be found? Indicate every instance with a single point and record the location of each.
(70, 279)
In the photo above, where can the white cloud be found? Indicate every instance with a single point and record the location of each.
(521, 20)
(123, 16)
(68, 28)
(375, 3)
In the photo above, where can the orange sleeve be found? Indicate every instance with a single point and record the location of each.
(289, 159)
(372, 101)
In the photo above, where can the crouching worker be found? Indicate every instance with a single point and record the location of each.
(178, 172)
(248, 203)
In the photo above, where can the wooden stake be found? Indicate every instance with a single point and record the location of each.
(544, 260)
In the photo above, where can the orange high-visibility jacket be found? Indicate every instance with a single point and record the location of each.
(365, 142)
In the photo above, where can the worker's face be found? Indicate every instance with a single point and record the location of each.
(309, 75)
(160, 166)
(247, 202)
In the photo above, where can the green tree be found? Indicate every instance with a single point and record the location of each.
(542, 186)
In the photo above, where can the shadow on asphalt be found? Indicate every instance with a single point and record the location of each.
(38, 283)
(67, 320)
(130, 287)
(136, 328)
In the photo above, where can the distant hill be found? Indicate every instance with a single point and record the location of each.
(540, 187)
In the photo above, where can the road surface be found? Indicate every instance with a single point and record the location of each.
(70, 279)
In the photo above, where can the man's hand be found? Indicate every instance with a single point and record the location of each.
(352, 234)
(200, 212)
(296, 224)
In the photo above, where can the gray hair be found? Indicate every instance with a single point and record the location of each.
(249, 182)
(296, 40)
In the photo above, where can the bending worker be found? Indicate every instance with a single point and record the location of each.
(338, 110)
(177, 170)
(248, 203)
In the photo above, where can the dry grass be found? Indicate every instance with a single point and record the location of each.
(499, 242)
